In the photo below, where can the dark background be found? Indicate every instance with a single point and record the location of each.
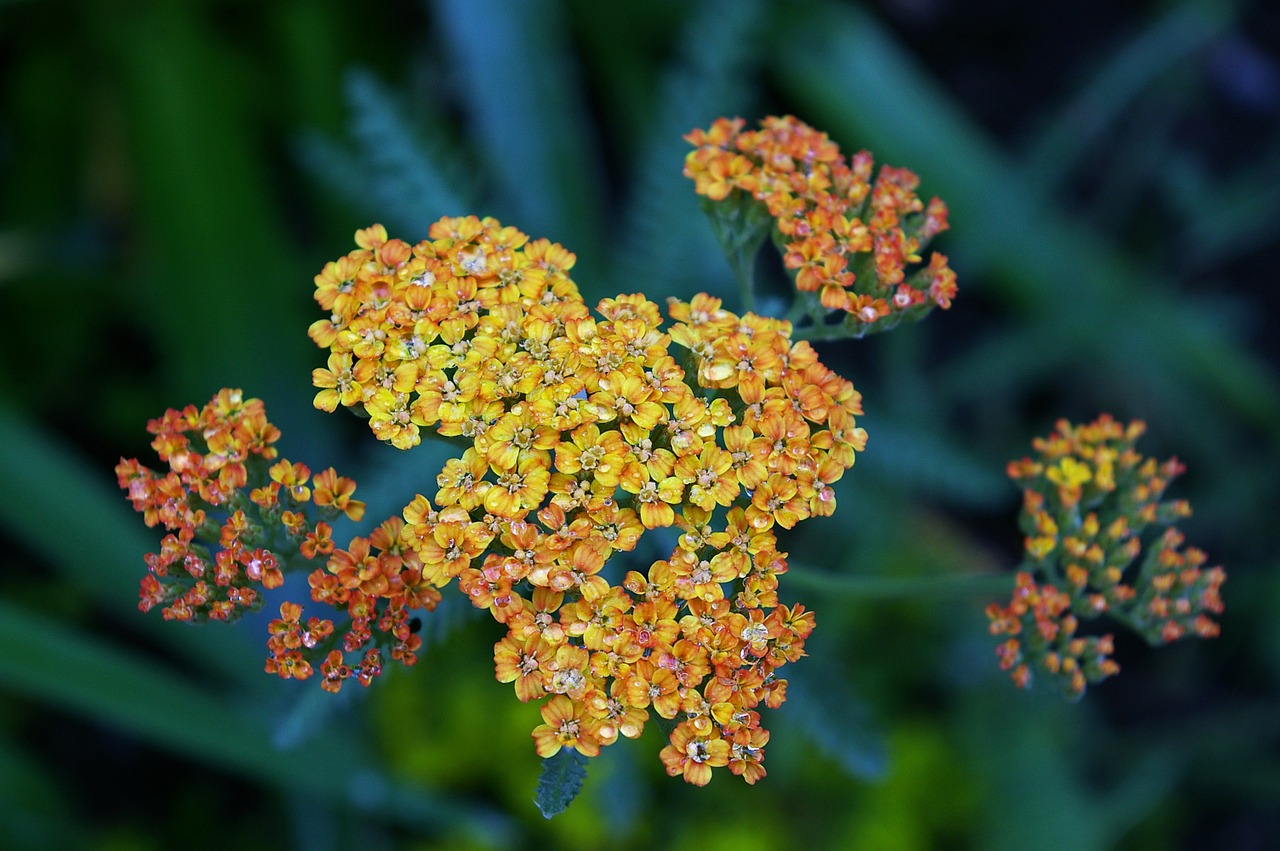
(172, 175)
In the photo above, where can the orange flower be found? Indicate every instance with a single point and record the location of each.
(580, 431)
(334, 490)
(338, 383)
(453, 540)
(746, 753)
(1085, 568)
(692, 755)
(526, 663)
(566, 724)
(708, 477)
(654, 686)
(828, 217)
(292, 478)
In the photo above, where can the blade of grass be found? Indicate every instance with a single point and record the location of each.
(852, 76)
(1237, 217)
(49, 661)
(217, 273)
(1117, 82)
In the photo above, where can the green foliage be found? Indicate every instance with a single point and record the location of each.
(822, 705)
(400, 172)
(560, 782)
(661, 225)
(526, 114)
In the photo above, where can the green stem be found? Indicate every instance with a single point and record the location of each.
(742, 259)
(804, 305)
(899, 587)
(741, 224)
(823, 331)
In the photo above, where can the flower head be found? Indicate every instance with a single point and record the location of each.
(235, 524)
(848, 234)
(1091, 507)
(584, 432)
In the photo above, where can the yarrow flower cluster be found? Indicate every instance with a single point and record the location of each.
(848, 233)
(1090, 505)
(584, 433)
(236, 522)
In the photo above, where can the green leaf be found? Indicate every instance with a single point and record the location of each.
(526, 110)
(1079, 124)
(663, 227)
(403, 171)
(58, 664)
(824, 706)
(1236, 217)
(561, 781)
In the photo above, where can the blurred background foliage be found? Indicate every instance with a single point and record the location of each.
(172, 174)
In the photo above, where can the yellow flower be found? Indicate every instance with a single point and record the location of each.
(566, 724)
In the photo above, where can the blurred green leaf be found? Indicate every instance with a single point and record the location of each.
(526, 113)
(927, 798)
(52, 662)
(663, 226)
(307, 713)
(1033, 760)
(1117, 81)
(1234, 218)
(822, 704)
(34, 812)
(618, 788)
(560, 782)
(402, 172)
(217, 269)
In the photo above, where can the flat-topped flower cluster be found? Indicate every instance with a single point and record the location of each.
(583, 432)
(847, 232)
(236, 522)
(1089, 498)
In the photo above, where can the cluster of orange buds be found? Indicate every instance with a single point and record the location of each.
(582, 434)
(1089, 499)
(848, 233)
(237, 522)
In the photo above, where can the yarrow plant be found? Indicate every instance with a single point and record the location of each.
(580, 432)
(1090, 506)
